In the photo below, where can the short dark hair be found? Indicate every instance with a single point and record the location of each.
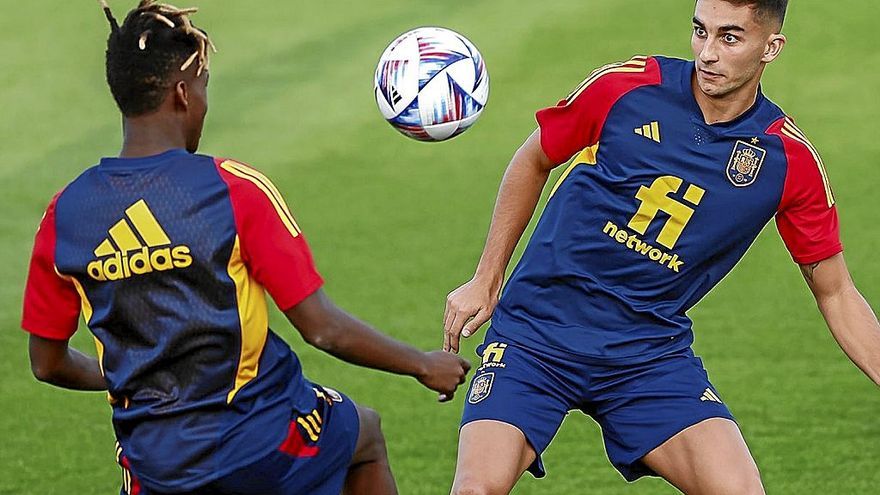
(766, 9)
(154, 41)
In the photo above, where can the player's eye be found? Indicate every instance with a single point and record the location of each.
(730, 39)
(700, 32)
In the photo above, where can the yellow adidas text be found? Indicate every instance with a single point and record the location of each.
(633, 242)
(122, 265)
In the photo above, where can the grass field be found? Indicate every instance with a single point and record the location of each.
(396, 224)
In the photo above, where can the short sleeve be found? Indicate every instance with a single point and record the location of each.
(51, 303)
(272, 246)
(807, 217)
(576, 122)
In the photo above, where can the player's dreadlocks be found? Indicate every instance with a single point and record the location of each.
(154, 41)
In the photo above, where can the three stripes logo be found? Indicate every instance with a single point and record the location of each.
(636, 64)
(311, 424)
(790, 130)
(136, 245)
(650, 131)
(710, 396)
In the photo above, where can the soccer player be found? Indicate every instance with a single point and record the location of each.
(167, 255)
(678, 166)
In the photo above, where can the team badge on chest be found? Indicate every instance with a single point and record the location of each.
(745, 163)
(481, 387)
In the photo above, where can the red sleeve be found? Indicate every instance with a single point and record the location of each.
(51, 302)
(272, 246)
(577, 121)
(807, 217)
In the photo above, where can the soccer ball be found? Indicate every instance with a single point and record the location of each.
(431, 84)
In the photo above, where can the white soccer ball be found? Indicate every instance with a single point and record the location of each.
(431, 84)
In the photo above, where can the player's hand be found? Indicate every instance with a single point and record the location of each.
(467, 308)
(444, 372)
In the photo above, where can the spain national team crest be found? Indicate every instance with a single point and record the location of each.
(745, 163)
(481, 388)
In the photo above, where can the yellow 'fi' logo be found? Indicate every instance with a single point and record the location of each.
(123, 255)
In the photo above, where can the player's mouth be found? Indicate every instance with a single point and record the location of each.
(709, 74)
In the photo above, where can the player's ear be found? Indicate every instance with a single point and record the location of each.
(774, 47)
(181, 96)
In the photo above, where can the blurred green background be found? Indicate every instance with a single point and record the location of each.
(395, 224)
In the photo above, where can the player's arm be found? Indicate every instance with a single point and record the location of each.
(471, 305)
(808, 223)
(56, 363)
(50, 315)
(277, 256)
(329, 328)
(849, 316)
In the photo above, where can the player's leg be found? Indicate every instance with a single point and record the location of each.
(370, 471)
(477, 472)
(710, 457)
(665, 418)
(515, 405)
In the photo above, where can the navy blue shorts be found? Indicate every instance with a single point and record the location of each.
(314, 458)
(637, 406)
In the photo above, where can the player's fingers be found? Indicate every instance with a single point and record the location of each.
(448, 315)
(455, 330)
(446, 397)
(446, 341)
(476, 322)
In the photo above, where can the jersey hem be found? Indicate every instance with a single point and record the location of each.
(519, 335)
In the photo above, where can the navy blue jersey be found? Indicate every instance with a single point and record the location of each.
(655, 209)
(168, 258)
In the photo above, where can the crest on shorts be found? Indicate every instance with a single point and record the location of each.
(481, 388)
(745, 163)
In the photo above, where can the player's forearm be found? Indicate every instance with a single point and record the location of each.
(517, 198)
(855, 327)
(75, 371)
(356, 342)
(329, 328)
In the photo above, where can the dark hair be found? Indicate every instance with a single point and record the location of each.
(154, 41)
(766, 9)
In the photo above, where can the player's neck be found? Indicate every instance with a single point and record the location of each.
(728, 107)
(150, 135)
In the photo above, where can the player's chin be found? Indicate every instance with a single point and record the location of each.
(713, 89)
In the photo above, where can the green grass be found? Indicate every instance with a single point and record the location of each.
(397, 224)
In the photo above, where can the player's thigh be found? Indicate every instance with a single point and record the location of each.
(492, 456)
(515, 405)
(710, 457)
(370, 445)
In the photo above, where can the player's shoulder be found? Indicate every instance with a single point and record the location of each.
(799, 150)
(804, 163)
(620, 77)
(237, 173)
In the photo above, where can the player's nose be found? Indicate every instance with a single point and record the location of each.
(709, 53)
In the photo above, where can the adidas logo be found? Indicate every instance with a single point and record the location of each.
(650, 131)
(145, 248)
(710, 396)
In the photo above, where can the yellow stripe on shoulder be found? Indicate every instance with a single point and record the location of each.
(792, 131)
(634, 65)
(268, 188)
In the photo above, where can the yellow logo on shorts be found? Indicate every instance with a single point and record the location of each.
(492, 355)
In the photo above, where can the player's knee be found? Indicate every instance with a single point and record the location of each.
(476, 486)
(373, 440)
(746, 483)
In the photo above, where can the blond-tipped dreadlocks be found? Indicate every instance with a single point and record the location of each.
(141, 53)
